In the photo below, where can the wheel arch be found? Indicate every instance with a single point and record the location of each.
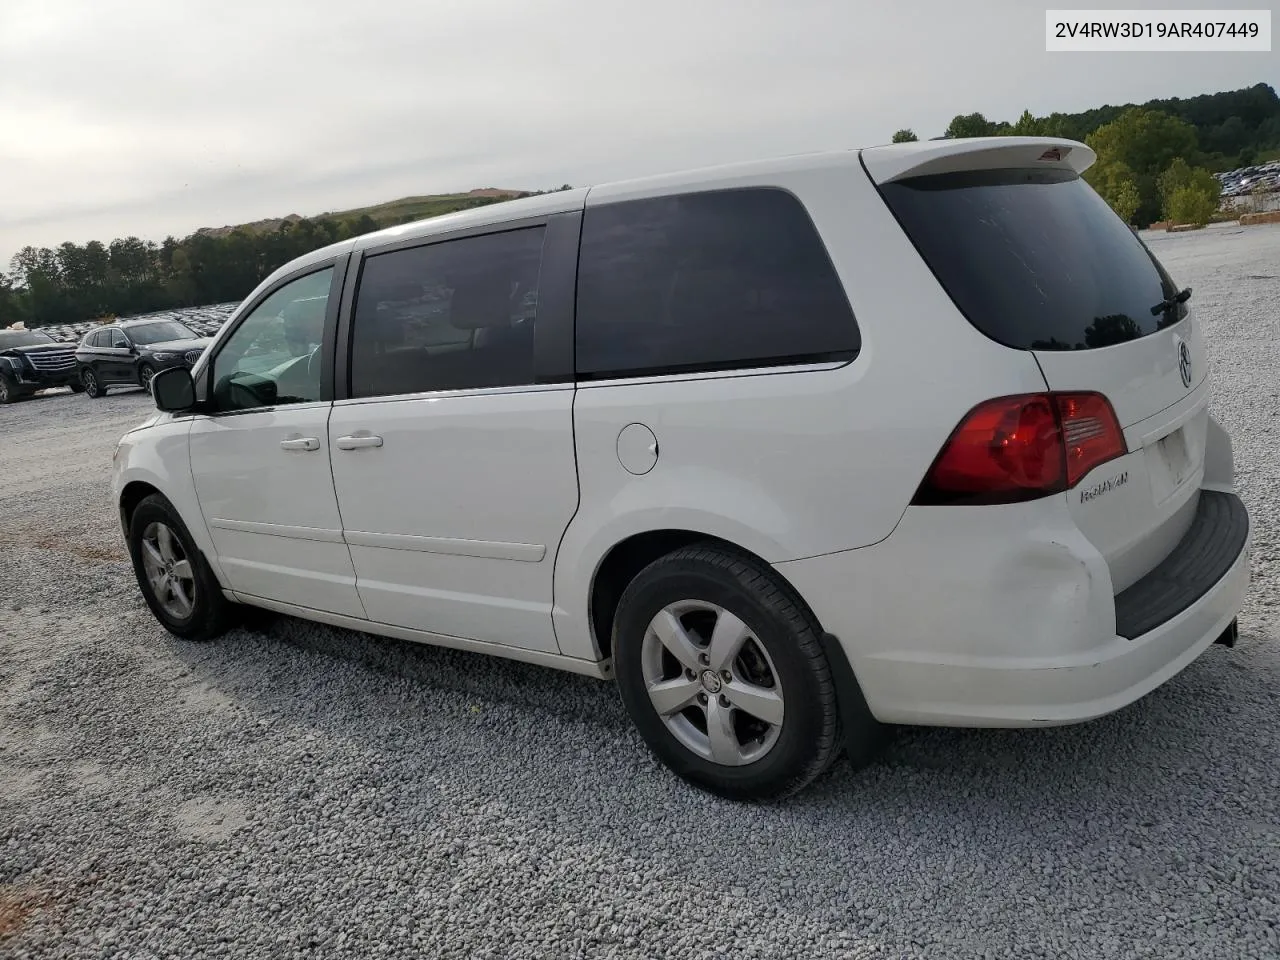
(154, 459)
(626, 558)
(134, 492)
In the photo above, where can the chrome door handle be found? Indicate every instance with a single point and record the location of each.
(301, 443)
(357, 443)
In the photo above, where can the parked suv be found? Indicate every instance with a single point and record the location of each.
(31, 360)
(133, 351)
(917, 434)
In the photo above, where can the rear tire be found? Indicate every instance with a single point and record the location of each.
(173, 575)
(92, 387)
(708, 712)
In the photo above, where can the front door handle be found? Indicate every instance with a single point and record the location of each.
(301, 443)
(357, 443)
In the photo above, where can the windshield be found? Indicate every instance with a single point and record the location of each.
(23, 338)
(1035, 259)
(160, 331)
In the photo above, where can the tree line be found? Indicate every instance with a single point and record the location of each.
(73, 282)
(1155, 160)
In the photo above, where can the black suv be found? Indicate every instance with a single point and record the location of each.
(31, 361)
(133, 351)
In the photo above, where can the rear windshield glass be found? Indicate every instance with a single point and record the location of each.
(1035, 259)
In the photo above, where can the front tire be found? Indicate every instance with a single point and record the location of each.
(720, 665)
(145, 373)
(92, 387)
(9, 392)
(173, 575)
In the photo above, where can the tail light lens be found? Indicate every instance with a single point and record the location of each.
(1023, 447)
(1091, 434)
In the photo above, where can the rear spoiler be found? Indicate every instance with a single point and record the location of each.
(901, 160)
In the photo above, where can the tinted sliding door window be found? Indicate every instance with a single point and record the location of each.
(707, 281)
(454, 315)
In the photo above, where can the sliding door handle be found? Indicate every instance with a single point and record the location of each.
(301, 443)
(357, 442)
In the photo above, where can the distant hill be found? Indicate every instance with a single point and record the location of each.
(404, 210)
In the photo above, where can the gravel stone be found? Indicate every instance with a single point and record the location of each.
(297, 790)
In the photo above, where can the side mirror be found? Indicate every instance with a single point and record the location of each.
(173, 390)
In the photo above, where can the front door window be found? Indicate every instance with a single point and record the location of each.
(274, 357)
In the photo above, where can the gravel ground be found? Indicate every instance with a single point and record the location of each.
(300, 790)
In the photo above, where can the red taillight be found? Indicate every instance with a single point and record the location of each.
(1022, 447)
(1091, 434)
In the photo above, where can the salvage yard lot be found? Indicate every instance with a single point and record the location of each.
(300, 790)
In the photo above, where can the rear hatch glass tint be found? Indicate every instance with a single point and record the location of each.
(1034, 259)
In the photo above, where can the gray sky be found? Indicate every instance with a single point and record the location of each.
(151, 117)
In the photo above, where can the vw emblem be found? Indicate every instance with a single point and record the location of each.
(1184, 363)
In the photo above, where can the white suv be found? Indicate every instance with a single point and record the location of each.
(916, 434)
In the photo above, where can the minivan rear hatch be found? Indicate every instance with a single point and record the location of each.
(1036, 260)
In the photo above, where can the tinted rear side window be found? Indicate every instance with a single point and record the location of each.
(707, 281)
(1035, 259)
(454, 315)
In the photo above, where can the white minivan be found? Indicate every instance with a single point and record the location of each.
(916, 434)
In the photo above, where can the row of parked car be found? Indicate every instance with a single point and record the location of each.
(1242, 182)
(127, 352)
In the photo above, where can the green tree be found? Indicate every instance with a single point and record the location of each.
(1117, 185)
(37, 271)
(970, 125)
(1146, 142)
(1189, 205)
(1126, 200)
(1027, 126)
(1188, 194)
(905, 135)
(13, 306)
(180, 285)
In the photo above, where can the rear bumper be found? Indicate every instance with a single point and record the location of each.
(1206, 553)
(1066, 661)
(1002, 694)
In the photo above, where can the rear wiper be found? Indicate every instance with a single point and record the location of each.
(1182, 296)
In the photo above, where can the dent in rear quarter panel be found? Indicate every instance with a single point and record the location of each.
(790, 464)
(160, 456)
(963, 588)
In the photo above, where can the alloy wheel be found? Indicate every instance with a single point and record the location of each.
(168, 570)
(712, 682)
